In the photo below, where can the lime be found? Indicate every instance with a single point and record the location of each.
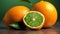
(34, 20)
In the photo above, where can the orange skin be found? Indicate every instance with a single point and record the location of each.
(15, 14)
(49, 11)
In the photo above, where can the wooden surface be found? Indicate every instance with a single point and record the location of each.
(54, 30)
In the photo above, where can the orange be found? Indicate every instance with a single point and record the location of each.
(48, 10)
(15, 14)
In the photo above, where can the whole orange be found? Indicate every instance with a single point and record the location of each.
(15, 14)
(48, 10)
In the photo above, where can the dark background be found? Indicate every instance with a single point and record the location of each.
(5, 5)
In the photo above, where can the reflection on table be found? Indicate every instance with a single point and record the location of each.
(42, 31)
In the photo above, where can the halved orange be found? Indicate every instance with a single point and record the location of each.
(34, 20)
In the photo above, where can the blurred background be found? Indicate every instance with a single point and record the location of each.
(5, 5)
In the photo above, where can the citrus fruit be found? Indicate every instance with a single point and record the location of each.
(48, 10)
(34, 20)
(15, 14)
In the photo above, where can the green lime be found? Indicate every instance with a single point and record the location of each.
(34, 20)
